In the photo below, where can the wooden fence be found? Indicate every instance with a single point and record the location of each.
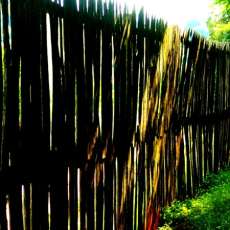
(105, 116)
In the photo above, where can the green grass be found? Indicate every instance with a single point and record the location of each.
(210, 209)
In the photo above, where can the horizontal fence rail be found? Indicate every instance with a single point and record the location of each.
(106, 116)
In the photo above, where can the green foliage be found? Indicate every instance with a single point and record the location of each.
(208, 210)
(219, 22)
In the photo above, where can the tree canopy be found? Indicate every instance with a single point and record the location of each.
(219, 21)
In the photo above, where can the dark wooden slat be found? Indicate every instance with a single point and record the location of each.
(73, 198)
(45, 104)
(89, 196)
(3, 220)
(68, 76)
(58, 116)
(1, 92)
(7, 71)
(15, 207)
(59, 203)
(40, 205)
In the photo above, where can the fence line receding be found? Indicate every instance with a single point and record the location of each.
(105, 116)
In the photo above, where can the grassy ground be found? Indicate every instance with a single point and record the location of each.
(209, 210)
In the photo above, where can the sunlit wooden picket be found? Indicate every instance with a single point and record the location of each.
(105, 116)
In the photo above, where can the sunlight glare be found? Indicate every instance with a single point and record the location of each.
(178, 12)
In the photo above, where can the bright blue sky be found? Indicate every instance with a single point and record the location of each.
(179, 12)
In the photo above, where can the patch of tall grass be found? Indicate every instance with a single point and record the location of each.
(209, 209)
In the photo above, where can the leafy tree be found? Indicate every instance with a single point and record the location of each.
(219, 22)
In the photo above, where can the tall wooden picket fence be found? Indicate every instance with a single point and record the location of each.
(105, 116)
